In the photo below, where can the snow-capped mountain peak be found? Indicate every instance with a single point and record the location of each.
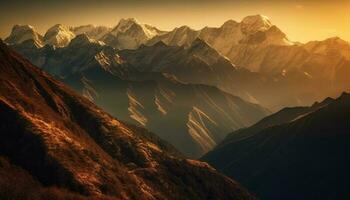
(81, 40)
(59, 35)
(124, 25)
(84, 39)
(130, 34)
(131, 24)
(20, 27)
(254, 23)
(95, 32)
(58, 28)
(21, 33)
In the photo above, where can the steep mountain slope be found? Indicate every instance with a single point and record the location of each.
(21, 33)
(194, 118)
(53, 135)
(200, 114)
(198, 63)
(130, 34)
(298, 153)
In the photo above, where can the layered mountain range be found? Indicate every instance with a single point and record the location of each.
(296, 153)
(58, 145)
(269, 69)
(288, 71)
(177, 111)
(204, 91)
(197, 73)
(128, 34)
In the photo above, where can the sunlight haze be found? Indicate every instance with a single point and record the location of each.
(300, 20)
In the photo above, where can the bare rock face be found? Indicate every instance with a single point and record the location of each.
(63, 140)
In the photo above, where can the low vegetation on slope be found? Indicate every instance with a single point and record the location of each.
(63, 140)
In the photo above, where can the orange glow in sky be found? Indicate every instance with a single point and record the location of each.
(300, 20)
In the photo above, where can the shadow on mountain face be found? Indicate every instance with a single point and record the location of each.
(297, 153)
(61, 146)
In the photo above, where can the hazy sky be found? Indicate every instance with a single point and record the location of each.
(301, 20)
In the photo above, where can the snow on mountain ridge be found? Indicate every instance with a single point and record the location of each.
(130, 34)
(254, 23)
(125, 25)
(93, 31)
(21, 33)
(59, 35)
(84, 39)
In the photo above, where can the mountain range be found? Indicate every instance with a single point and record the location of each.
(56, 144)
(269, 69)
(122, 112)
(288, 72)
(296, 153)
(162, 72)
(177, 111)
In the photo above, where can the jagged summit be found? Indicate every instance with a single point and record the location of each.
(229, 23)
(124, 24)
(184, 28)
(59, 35)
(130, 34)
(18, 27)
(57, 28)
(129, 24)
(254, 23)
(21, 33)
(128, 20)
(93, 31)
(81, 39)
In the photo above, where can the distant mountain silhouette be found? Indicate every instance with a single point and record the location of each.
(297, 153)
